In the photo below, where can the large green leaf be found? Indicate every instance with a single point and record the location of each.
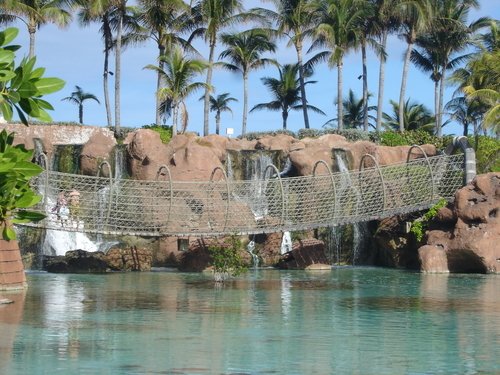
(6, 110)
(49, 85)
(27, 90)
(8, 35)
(8, 233)
(28, 199)
(6, 57)
(24, 216)
(28, 169)
(6, 75)
(5, 166)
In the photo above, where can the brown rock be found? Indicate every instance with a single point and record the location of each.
(130, 259)
(281, 142)
(95, 151)
(146, 153)
(433, 259)
(303, 254)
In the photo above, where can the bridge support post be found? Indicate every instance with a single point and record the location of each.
(462, 143)
(12, 276)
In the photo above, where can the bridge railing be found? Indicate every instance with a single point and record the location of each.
(221, 206)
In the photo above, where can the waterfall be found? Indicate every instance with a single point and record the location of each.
(255, 258)
(286, 243)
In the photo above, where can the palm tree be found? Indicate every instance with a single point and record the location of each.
(415, 117)
(164, 22)
(338, 31)
(35, 13)
(415, 16)
(78, 97)
(448, 35)
(466, 113)
(220, 104)
(214, 15)
(385, 21)
(286, 93)
(244, 53)
(178, 74)
(354, 113)
(294, 19)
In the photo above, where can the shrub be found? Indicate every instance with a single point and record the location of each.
(419, 226)
(487, 154)
(226, 259)
(165, 131)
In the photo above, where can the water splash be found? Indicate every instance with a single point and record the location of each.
(286, 243)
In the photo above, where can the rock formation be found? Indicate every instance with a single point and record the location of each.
(465, 236)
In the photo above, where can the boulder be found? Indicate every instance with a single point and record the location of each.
(146, 153)
(304, 253)
(470, 233)
(77, 261)
(129, 259)
(98, 148)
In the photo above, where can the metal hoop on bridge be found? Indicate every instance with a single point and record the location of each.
(106, 163)
(276, 170)
(42, 158)
(226, 214)
(164, 167)
(361, 168)
(322, 162)
(433, 190)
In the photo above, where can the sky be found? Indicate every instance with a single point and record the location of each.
(75, 54)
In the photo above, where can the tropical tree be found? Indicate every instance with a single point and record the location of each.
(286, 93)
(447, 35)
(466, 113)
(78, 97)
(214, 15)
(164, 22)
(36, 13)
(178, 74)
(415, 117)
(385, 20)
(244, 51)
(338, 31)
(354, 113)
(219, 104)
(295, 19)
(415, 16)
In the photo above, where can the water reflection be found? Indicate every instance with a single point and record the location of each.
(366, 321)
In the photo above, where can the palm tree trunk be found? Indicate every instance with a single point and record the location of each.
(174, 118)
(284, 115)
(381, 82)
(402, 93)
(340, 114)
(80, 112)
(118, 51)
(206, 108)
(107, 48)
(217, 123)
(245, 103)
(298, 47)
(161, 52)
(439, 115)
(32, 32)
(436, 104)
(365, 87)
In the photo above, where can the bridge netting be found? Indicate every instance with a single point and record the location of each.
(220, 206)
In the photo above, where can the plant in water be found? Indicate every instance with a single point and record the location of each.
(419, 226)
(226, 259)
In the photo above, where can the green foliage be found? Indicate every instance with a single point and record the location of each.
(487, 154)
(165, 131)
(226, 259)
(419, 226)
(16, 195)
(256, 135)
(413, 137)
(22, 87)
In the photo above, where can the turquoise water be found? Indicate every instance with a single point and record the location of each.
(347, 321)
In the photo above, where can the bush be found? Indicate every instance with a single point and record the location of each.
(419, 226)
(487, 154)
(413, 137)
(165, 131)
(256, 135)
(226, 259)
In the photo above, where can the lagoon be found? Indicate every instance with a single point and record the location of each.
(351, 320)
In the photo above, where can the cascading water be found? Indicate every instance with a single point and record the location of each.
(286, 243)
(255, 257)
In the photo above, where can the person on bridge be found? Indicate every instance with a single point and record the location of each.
(74, 205)
(61, 208)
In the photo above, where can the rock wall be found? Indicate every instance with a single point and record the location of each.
(465, 236)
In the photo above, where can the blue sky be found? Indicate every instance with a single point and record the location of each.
(75, 55)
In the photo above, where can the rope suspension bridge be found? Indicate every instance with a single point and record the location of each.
(222, 206)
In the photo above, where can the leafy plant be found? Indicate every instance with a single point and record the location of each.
(164, 131)
(16, 195)
(22, 87)
(487, 154)
(419, 226)
(226, 259)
